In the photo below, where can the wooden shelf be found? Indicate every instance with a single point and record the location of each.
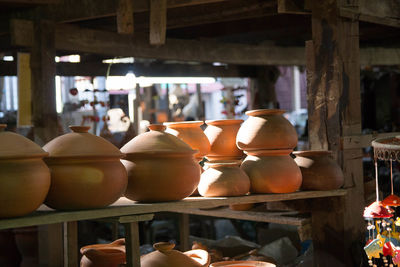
(123, 207)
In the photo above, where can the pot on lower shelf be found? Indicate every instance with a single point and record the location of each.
(27, 243)
(104, 255)
(242, 264)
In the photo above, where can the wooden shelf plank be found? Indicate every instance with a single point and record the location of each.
(123, 207)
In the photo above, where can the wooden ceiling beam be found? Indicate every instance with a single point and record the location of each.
(29, 2)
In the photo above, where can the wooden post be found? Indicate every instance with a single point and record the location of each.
(43, 67)
(333, 76)
(158, 21)
(70, 230)
(264, 88)
(50, 245)
(24, 90)
(184, 232)
(132, 244)
(125, 23)
(200, 109)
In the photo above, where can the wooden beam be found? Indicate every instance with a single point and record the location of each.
(294, 7)
(29, 2)
(24, 90)
(363, 141)
(125, 24)
(158, 21)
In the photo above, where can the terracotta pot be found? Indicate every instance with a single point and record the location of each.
(222, 137)
(272, 171)
(160, 167)
(24, 177)
(266, 129)
(104, 255)
(223, 179)
(166, 256)
(9, 255)
(27, 243)
(319, 170)
(242, 264)
(86, 171)
(191, 133)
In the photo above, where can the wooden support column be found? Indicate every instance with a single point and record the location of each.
(70, 230)
(24, 90)
(125, 24)
(43, 67)
(158, 21)
(333, 76)
(184, 231)
(51, 245)
(132, 244)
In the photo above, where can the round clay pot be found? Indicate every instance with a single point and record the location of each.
(160, 167)
(272, 171)
(242, 264)
(24, 177)
(27, 243)
(166, 256)
(104, 255)
(9, 255)
(191, 133)
(86, 171)
(319, 170)
(266, 129)
(223, 179)
(222, 137)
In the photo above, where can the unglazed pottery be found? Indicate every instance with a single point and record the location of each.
(191, 133)
(223, 179)
(272, 171)
(24, 177)
(222, 137)
(104, 255)
(242, 264)
(27, 242)
(86, 171)
(319, 170)
(160, 167)
(166, 256)
(266, 129)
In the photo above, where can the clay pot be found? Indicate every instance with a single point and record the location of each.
(104, 255)
(223, 179)
(266, 129)
(160, 167)
(9, 255)
(319, 170)
(166, 256)
(191, 133)
(86, 171)
(27, 243)
(272, 171)
(222, 137)
(24, 177)
(242, 264)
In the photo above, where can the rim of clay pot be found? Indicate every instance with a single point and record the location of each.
(242, 264)
(306, 153)
(216, 163)
(183, 124)
(268, 152)
(116, 253)
(212, 157)
(224, 122)
(164, 246)
(258, 112)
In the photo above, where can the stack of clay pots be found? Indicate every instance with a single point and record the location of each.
(268, 139)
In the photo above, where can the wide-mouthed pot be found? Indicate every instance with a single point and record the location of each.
(266, 129)
(160, 167)
(222, 137)
(104, 255)
(223, 179)
(86, 171)
(272, 171)
(24, 177)
(319, 170)
(166, 256)
(191, 133)
(242, 264)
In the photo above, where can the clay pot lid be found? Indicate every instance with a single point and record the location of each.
(157, 142)
(307, 153)
(224, 122)
(14, 146)
(242, 264)
(183, 124)
(261, 112)
(377, 210)
(392, 201)
(81, 143)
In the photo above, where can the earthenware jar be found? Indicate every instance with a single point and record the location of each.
(266, 129)
(242, 264)
(24, 177)
(222, 137)
(272, 171)
(223, 179)
(160, 167)
(191, 133)
(166, 256)
(319, 170)
(27, 242)
(104, 255)
(86, 171)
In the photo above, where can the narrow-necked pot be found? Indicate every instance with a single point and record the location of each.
(160, 166)
(319, 170)
(104, 255)
(223, 179)
(272, 171)
(166, 256)
(222, 137)
(266, 129)
(191, 133)
(86, 171)
(24, 177)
